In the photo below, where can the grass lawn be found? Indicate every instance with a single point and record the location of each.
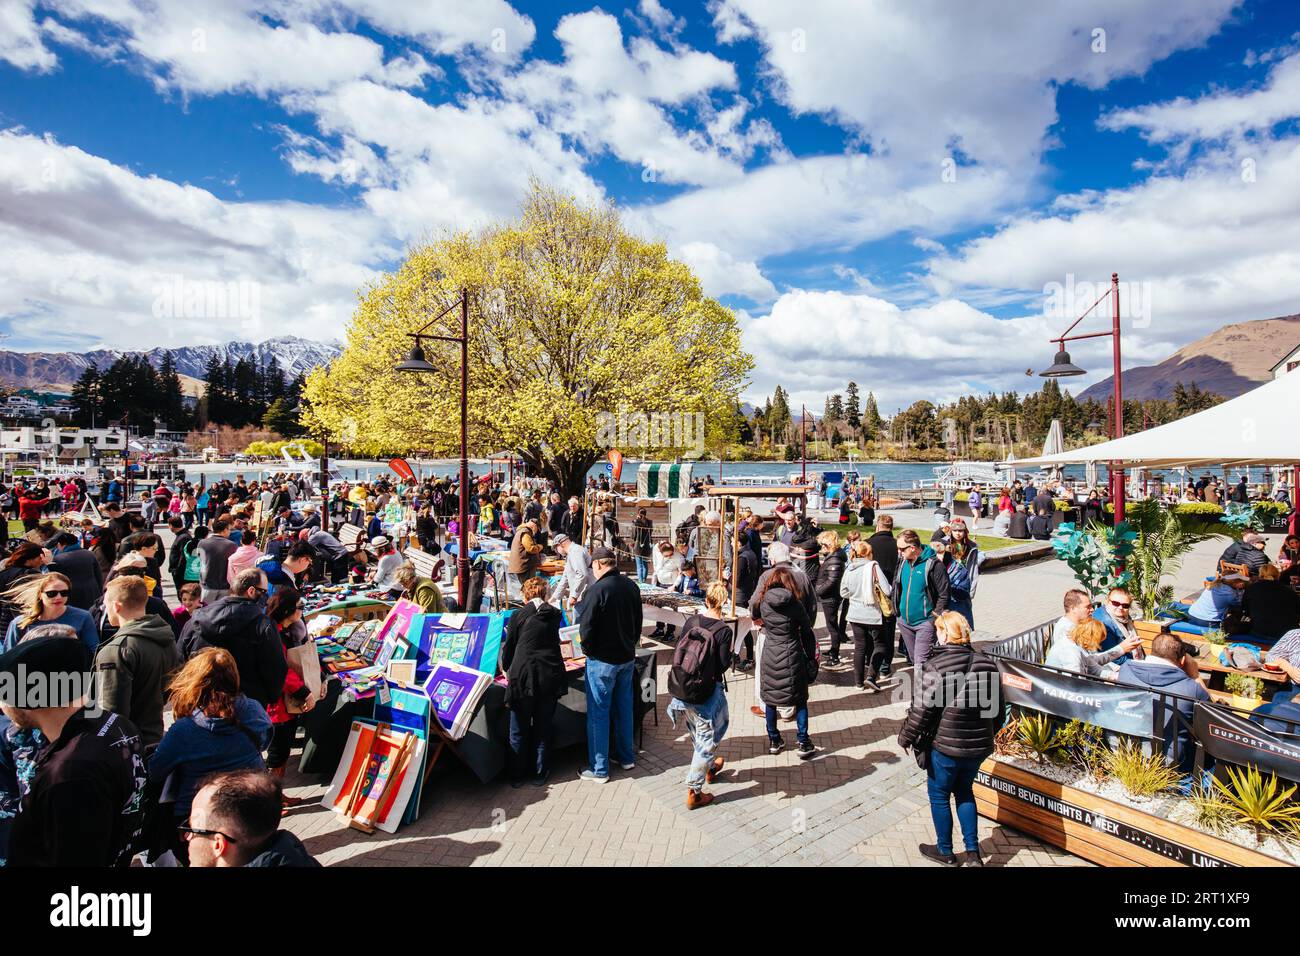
(987, 543)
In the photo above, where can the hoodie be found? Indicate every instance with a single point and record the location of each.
(133, 671)
(285, 849)
(1156, 673)
(241, 627)
(198, 745)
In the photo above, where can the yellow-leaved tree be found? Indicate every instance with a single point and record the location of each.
(572, 320)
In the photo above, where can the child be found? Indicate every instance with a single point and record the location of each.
(190, 603)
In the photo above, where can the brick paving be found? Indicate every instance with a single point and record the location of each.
(861, 802)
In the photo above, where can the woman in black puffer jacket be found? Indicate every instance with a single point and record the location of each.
(788, 647)
(829, 574)
(953, 721)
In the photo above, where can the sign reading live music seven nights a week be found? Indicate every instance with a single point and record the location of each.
(1100, 822)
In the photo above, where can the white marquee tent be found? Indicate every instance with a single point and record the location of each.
(1261, 427)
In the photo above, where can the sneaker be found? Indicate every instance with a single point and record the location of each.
(931, 852)
(774, 747)
(516, 784)
(972, 858)
(697, 798)
(540, 781)
(757, 711)
(592, 777)
(871, 685)
(806, 750)
(628, 766)
(715, 768)
(833, 660)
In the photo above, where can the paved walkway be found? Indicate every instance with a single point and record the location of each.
(860, 802)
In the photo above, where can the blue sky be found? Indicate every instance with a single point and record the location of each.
(881, 190)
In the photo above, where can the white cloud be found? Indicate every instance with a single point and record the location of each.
(722, 274)
(20, 37)
(1220, 115)
(919, 78)
(1218, 242)
(660, 17)
(814, 343)
(90, 245)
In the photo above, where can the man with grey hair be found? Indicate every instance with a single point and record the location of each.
(239, 624)
(577, 575)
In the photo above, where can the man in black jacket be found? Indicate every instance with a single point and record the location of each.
(609, 619)
(239, 624)
(85, 576)
(235, 821)
(82, 806)
(884, 551)
(176, 559)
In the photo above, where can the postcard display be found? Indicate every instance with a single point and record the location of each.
(379, 780)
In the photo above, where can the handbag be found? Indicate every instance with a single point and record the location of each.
(192, 565)
(885, 602)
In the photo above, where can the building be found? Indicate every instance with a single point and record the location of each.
(62, 441)
(1289, 361)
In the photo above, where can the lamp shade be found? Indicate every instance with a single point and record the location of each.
(1062, 367)
(415, 361)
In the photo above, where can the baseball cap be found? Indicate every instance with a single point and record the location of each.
(559, 538)
(603, 554)
(45, 657)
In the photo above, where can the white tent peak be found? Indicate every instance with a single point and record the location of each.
(1256, 428)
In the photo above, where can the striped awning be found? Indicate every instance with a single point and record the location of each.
(660, 480)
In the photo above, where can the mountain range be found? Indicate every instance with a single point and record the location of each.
(58, 371)
(1227, 362)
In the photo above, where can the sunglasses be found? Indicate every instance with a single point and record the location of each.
(57, 594)
(189, 832)
(1121, 604)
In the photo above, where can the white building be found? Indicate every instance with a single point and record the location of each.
(1288, 362)
(49, 440)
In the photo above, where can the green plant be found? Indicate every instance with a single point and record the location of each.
(1210, 811)
(1039, 736)
(1259, 803)
(1060, 504)
(1084, 746)
(1142, 775)
(1096, 553)
(1216, 636)
(1163, 537)
(1244, 686)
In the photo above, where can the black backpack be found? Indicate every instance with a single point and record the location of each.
(697, 666)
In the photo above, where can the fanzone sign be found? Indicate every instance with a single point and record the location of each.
(1124, 710)
(1152, 842)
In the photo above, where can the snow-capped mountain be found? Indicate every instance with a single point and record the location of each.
(57, 371)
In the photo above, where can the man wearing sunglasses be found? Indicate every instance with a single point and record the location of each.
(1115, 614)
(235, 821)
(133, 668)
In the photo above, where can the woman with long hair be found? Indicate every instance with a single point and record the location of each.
(284, 608)
(24, 561)
(788, 656)
(216, 729)
(105, 549)
(860, 586)
(963, 571)
(701, 696)
(43, 599)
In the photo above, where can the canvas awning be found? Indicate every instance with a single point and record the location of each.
(1257, 428)
(661, 480)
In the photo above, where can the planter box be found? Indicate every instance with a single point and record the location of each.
(1096, 829)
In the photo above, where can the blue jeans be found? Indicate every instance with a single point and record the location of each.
(609, 700)
(707, 723)
(530, 737)
(642, 569)
(800, 723)
(953, 777)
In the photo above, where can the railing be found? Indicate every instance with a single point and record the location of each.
(1029, 648)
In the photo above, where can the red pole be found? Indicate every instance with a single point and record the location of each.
(462, 550)
(1118, 494)
(803, 438)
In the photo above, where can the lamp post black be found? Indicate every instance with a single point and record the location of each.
(416, 362)
(1062, 367)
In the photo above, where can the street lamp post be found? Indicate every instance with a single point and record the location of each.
(1062, 367)
(416, 362)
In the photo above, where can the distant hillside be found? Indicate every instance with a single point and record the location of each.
(58, 371)
(1228, 362)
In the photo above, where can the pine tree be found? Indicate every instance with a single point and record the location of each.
(88, 399)
(852, 414)
(871, 420)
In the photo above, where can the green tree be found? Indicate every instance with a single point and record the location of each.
(570, 316)
(88, 398)
(852, 412)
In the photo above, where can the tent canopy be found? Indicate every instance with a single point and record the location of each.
(1257, 428)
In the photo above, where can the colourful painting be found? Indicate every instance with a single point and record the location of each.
(454, 692)
(394, 630)
(376, 777)
(470, 640)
